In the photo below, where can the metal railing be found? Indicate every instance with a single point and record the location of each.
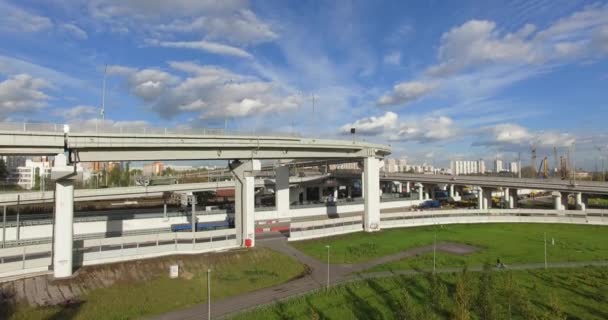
(99, 126)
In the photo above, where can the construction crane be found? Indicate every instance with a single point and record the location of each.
(543, 169)
(556, 169)
(534, 159)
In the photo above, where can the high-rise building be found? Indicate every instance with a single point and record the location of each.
(462, 167)
(153, 169)
(513, 167)
(498, 168)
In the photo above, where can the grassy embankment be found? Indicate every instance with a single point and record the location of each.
(580, 293)
(231, 274)
(512, 243)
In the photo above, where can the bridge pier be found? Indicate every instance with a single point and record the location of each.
(512, 198)
(244, 199)
(281, 190)
(408, 188)
(580, 204)
(558, 200)
(371, 188)
(420, 190)
(487, 198)
(479, 198)
(63, 239)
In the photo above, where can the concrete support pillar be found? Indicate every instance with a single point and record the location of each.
(349, 192)
(281, 191)
(244, 198)
(305, 194)
(320, 193)
(487, 198)
(408, 188)
(451, 191)
(363, 184)
(512, 204)
(420, 189)
(63, 238)
(335, 193)
(557, 201)
(580, 205)
(480, 198)
(371, 183)
(565, 200)
(505, 198)
(398, 186)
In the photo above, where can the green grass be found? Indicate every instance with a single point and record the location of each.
(512, 243)
(576, 293)
(597, 203)
(248, 271)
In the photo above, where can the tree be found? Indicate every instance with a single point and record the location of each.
(462, 297)
(555, 311)
(486, 305)
(115, 175)
(438, 292)
(37, 179)
(3, 170)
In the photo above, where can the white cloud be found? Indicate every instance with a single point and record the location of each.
(393, 58)
(477, 43)
(241, 27)
(514, 135)
(22, 93)
(207, 46)
(427, 130)
(211, 91)
(373, 125)
(78, 112)
(15, 19)
(147, 84)
(406, 92)
(159, 9)
(74, 30)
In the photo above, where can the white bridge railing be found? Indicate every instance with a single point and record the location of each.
(37, 258)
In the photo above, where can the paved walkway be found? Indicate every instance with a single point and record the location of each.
(317, 278)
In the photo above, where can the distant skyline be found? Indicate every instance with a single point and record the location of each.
(438, 80)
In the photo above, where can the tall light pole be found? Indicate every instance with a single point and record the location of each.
(327, 246)
(545, 250)
(434, 250)
(208, 294)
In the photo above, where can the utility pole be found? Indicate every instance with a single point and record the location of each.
(434, 251)
(545, 250)
(327, 246)
(208, 294)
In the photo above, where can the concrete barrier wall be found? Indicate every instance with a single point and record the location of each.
(109, 226)
(106, 250)
(425, 218)
(324, 228)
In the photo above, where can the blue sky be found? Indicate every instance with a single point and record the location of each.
(437, 80)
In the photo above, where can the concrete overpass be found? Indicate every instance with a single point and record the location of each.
(588, 187)
(117, 193)
(245, 152)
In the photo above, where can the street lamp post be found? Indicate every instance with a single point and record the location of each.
(545, 250)
(327, 246)
(434, 251)
(208, 294)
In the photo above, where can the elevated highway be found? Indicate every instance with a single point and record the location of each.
(156, 144)
(588, 187)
